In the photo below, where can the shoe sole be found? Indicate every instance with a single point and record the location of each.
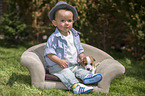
(94, 79)
(87, 91)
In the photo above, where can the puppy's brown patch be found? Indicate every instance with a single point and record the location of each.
(92, 60)
(85, 61)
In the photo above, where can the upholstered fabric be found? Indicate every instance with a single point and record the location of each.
(33, 59)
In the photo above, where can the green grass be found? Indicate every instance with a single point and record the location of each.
(15, 79)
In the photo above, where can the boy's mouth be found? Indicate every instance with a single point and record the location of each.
(67, 27)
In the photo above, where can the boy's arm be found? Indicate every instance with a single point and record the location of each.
(61, 62)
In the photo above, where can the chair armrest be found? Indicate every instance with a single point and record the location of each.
(33, 63)
(110, 69)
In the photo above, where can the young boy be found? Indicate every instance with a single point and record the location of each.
(63, 49)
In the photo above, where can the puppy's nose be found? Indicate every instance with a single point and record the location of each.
(88, 68)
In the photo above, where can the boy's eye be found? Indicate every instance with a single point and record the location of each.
(62, 21)
(69, 20)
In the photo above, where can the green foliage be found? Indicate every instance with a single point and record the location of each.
(11, 25)
(12, 28)
(102, 23)
(35, 13)
(136, 29)
(106, 23)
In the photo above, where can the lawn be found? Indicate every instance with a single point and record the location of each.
(15, 79)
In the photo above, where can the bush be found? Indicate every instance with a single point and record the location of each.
(12, 28)
(136, 29)
(102, 23)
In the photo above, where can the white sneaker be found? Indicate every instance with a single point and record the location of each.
(92, 78)
(81, 89)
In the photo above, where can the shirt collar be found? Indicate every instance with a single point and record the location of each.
(58, 34)
(76, 33)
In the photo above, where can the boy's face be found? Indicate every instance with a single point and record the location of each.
(63, 21)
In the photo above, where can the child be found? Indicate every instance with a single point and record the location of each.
(63, 49)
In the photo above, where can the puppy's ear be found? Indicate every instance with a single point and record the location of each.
(82, 62)
(92, 59)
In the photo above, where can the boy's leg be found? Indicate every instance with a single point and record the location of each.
(69, 80)
(80, 72)
(66, 76)
(87, 76)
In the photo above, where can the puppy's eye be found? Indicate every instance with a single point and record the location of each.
(91, 63)
(85, 63)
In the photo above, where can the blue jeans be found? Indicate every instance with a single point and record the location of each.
(68, 75)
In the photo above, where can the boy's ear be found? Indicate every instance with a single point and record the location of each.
(54, 23)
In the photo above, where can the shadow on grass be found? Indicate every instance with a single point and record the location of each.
(19, 78)
(27, 44)
(136, 69)
(133, 67)
(4, 43)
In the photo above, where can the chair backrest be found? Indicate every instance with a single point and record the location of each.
(98, 54)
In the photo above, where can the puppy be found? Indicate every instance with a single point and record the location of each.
(88, 64)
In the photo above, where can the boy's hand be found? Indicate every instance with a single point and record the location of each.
(63, 63)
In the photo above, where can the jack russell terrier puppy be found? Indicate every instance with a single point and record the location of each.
(88, 64)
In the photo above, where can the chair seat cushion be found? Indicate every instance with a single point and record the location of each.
(51, 77)
(54, 78)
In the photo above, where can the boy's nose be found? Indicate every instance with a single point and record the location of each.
(66, 22)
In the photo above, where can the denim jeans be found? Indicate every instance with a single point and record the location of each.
(68, 75)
